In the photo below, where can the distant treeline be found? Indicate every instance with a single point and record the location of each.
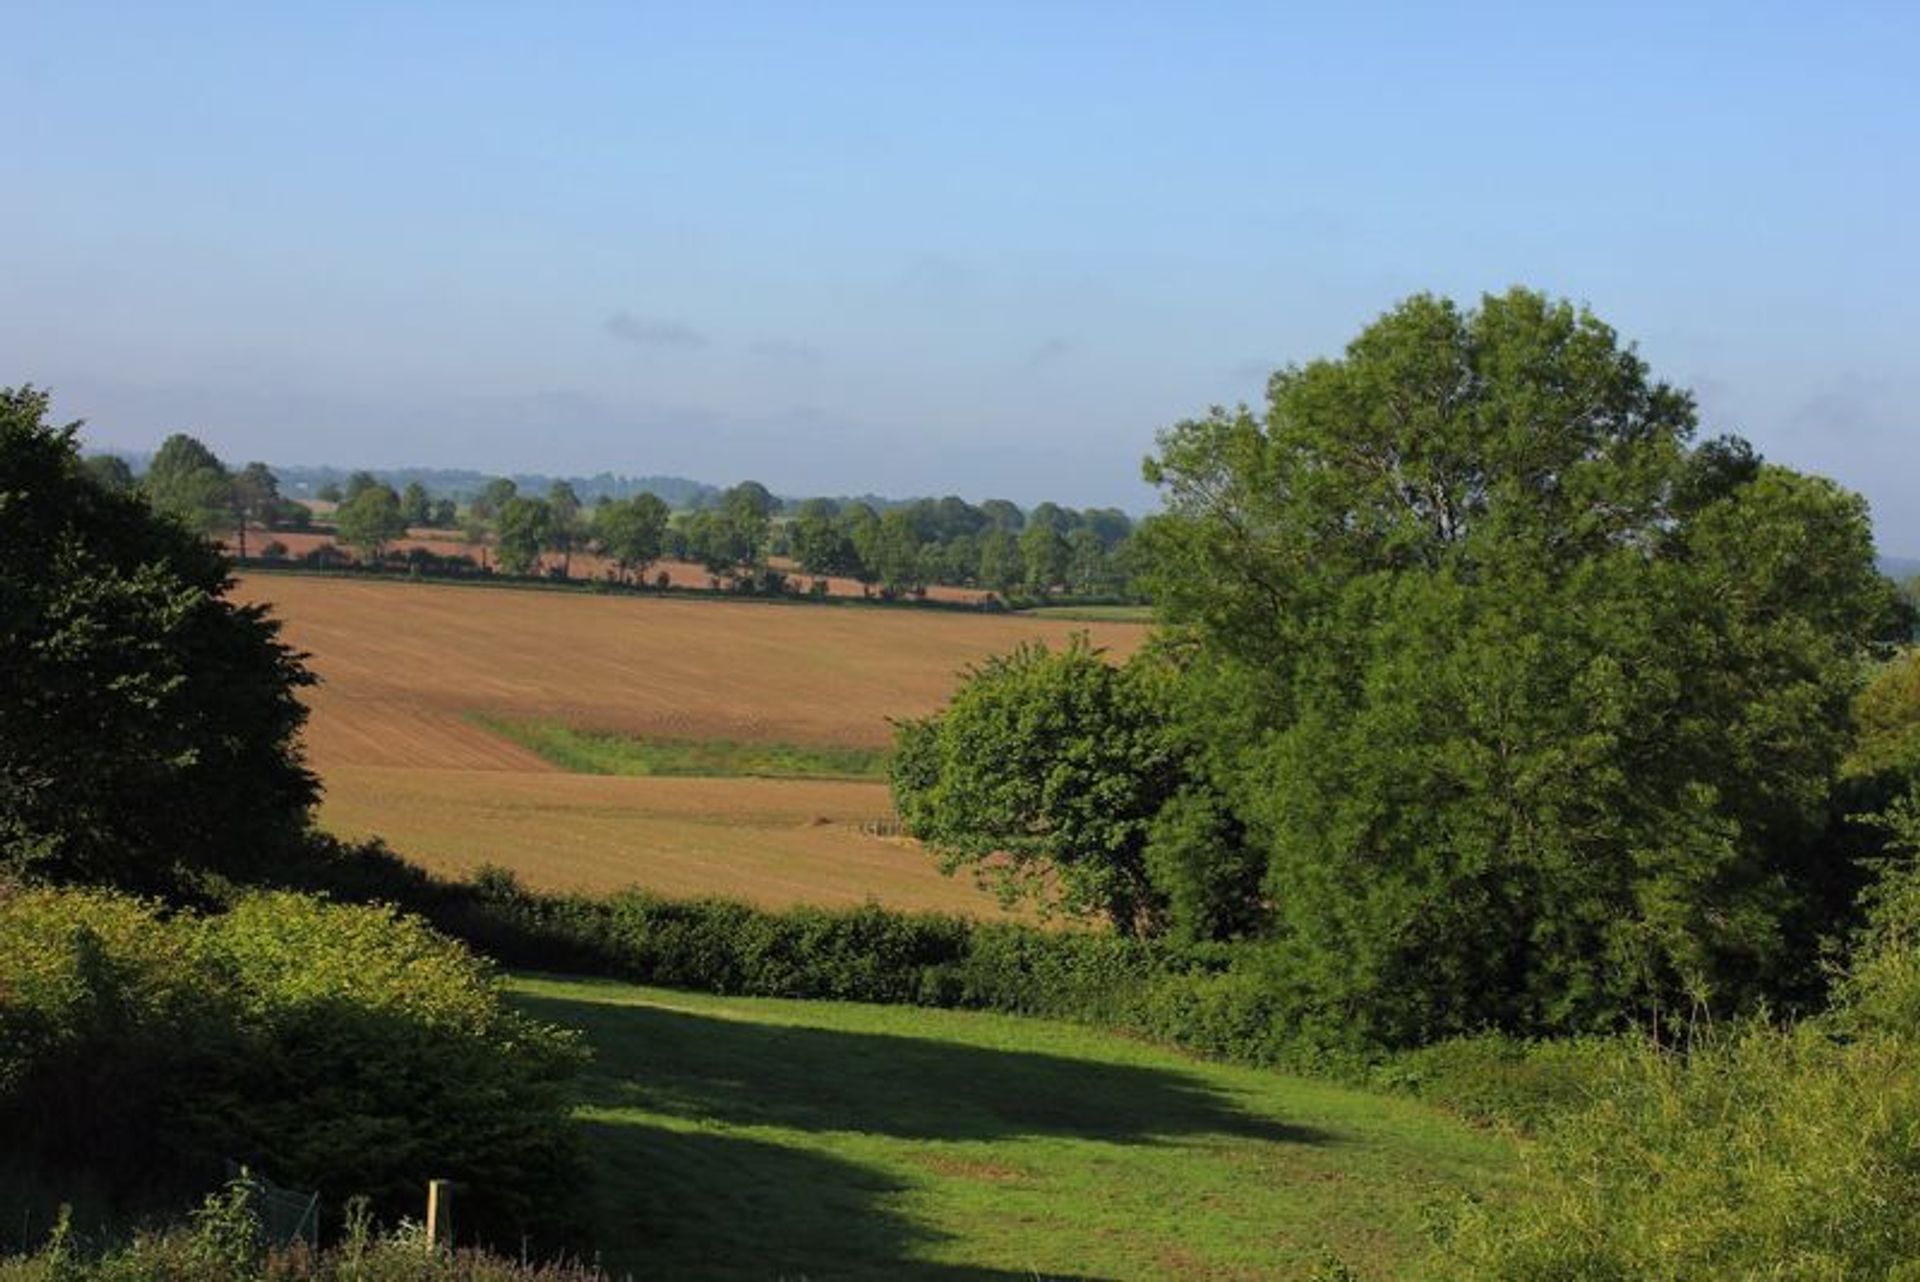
(895, 549)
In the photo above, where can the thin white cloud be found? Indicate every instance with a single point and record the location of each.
(646, 331)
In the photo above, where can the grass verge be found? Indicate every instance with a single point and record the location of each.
(733, 1138)
(598, 752)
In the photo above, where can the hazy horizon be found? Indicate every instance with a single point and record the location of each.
(986, 250)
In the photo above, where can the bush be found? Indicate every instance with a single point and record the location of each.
(1764, 1153)
(1509, 1081)
(346, 1049)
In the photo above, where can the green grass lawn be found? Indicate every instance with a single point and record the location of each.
(735, 1138)
(596, 752)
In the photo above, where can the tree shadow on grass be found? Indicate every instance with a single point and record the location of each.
(706, 1207)
(687, 1200)
(704, 1068)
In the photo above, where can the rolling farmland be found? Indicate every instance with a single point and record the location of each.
(407, 669)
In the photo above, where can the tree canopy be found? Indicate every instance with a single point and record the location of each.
(370, 520)
(1506, 702)
(147, 723)
(186, 482)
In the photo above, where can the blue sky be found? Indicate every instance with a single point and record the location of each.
(916, 248)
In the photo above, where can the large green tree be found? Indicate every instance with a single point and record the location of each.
(147, 723)
(525, 531)
(632, 532)
(1535, 705)
(370, 520)
(1044, 776)
(187, 482)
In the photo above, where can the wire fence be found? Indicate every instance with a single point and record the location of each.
(286, 1215)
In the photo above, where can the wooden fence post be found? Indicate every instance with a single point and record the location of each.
(439, 1214)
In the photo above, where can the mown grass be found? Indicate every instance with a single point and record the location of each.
(1092, 613)
(738, 1138)
(598, 752)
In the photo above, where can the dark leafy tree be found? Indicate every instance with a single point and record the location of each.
(416, 506)
(371, 520)
(1001, 568)
(1044, 775)
(148, 725)
(359, 483)
(493, 496)
(631, 533)
(1045, 557)
(188, 483)
(525, 530)
(1535, 705)
(111, 472)
(819, 541)
(1004, 516)
(862, 525)
(564, 506)
(896, 553)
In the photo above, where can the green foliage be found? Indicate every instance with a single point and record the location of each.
(339, 1048)
(1880, 991)
(1045, 556)
(632, 532)
(186, 482)
(1044, 775)
(820, 543)
(1761, 1153)
(493, 497)
(1756, 1151)
(1533, 707)
(147, 724)
(256, 494)
(402, 1033)
(1508, 1081)
(524, 530)
(1886, 718)
(371, 519)
(110, 472)
(416, 505)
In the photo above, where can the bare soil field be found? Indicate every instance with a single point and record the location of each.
(772, 841)
(404, 665)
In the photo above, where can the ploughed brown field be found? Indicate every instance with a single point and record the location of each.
(404, 666)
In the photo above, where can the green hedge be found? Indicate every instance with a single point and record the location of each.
(345, 1049)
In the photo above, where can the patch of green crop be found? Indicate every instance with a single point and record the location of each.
(599, 752)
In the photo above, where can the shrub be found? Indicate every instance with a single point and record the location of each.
(400, 1036)
(1762, 1153)
(347, 1049)
(1511, 1081)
